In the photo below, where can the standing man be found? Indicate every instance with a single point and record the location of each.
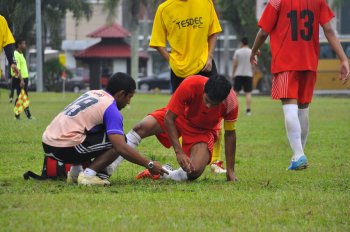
(195, 112)
(20, 81)
(293, 27)
(242, 72)
(92, 127)
(6, 42)
(190, 27)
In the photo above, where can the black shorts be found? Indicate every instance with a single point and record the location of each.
(93, 146)
(176, 81)
(243, 81)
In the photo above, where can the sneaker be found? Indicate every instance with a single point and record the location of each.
(217, 167)
(72, 179)
(248, 112)
(84, 179)
(300, 164)
(10, 100)
(168, 167)
(147, 174)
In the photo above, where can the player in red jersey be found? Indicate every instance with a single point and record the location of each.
(194, 112)
(293, 27)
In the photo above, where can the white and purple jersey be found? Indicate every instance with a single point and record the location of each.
(94, 111)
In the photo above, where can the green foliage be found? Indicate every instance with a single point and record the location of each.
(52, 74)
(21, 16)
(243, 18)
(266, 198)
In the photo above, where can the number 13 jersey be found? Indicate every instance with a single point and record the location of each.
(293, 26)
(94, 111)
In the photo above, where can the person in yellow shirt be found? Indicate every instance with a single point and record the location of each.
(7, 43)
(23, 74)
(190, 27)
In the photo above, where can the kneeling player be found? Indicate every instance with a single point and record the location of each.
(91, 127)
(195, 113)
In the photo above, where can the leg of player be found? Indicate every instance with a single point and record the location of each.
(293, 129)
(248, 96)
(303, 114)
(199, 158)
(88, 177)
(147, 127)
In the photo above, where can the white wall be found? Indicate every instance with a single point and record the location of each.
(119, 65)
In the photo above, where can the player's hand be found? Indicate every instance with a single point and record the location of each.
(230, 175)
(184, 162)
(344, 72)
(208, 66)
(15, 69)
(21, 84)
(157, 169)
(254, 57)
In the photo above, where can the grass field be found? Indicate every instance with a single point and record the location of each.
(266, 198)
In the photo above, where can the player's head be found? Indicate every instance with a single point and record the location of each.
(20, 44)
(216, 90)
(244, 41)
(122, 87)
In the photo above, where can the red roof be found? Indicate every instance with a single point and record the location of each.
(110, 31)
(102, 50)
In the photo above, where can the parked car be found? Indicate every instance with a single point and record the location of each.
(159, 81)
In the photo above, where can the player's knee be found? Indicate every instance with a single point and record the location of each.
(194, 174)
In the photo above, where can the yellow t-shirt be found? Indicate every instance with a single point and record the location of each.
(6, 36)
(186, 25)
(21, 64)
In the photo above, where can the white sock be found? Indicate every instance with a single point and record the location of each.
(304, 124)
(89, 172)
(177, 175)
(76, 169)
(133, 140)
(293, 129)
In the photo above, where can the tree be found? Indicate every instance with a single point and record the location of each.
(133, 6)
(21, 17)
(241, 14)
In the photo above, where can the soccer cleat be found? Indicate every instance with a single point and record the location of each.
(217, 167)
(300, 164)
(71, 179)
(147, 174)
(84, 179)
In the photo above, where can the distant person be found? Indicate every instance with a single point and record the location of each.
(242, 72)
(7, 43)
(22, 77)
(92, 127)
(195, 112)
(293, 27)
(191, 28)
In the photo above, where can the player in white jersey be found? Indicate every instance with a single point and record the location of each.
(91, 127)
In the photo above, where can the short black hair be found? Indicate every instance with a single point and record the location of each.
(217, 88)
(121, 81)
(19, 41)
(244, 40)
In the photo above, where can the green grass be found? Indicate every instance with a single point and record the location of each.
(266, 198)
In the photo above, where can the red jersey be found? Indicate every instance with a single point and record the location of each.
(293, 26)
(188, 103)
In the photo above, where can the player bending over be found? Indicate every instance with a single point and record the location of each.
(91, 127)
(195, 112)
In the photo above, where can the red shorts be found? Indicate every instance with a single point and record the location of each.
(294, 85)
(190, 135)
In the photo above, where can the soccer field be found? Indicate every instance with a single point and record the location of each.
(266, 198)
